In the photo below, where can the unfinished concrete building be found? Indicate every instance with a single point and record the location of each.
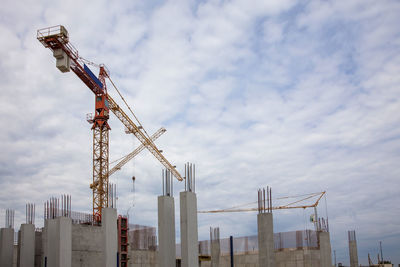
(71, 238)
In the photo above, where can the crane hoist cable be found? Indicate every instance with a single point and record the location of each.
(123, 99)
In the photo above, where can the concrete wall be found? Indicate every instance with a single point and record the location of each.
(140, 258)
(86, 245)
(6, 247)
(77, 244)
(287, 258)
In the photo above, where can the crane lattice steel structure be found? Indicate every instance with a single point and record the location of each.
(290, 205)
(56, 38)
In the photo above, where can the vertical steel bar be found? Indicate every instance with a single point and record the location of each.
(185, 177)
(263, 200)
(194, 178)
(270, 198)
(191, 177)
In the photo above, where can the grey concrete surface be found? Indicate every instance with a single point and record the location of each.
(189, 234)
(166, 231)
(110, 237)
(325, 249)
(353, 253)
(266, 254)
(6, 247)
(26, 246)
(58, 249)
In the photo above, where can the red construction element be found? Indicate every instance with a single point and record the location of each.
(123, 241)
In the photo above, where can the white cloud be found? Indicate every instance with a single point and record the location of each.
(299, 96)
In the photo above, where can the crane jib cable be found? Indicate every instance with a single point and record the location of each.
(123, 99)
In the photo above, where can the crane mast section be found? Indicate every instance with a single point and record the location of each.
(131, 155)
(133, 128)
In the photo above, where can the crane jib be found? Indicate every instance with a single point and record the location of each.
(94, 78)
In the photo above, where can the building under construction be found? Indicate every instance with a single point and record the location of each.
(104, 238)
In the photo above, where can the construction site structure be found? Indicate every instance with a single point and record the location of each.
(290, 205)
(123, 241)
(56, 38)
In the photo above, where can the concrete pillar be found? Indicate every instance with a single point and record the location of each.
(58, 247)
(353, 248)
(166, 231)
(110, 236)
(6, 247)
(353, 253)
(215, 253)
(189, 237)
(266, 251)
(26, 246)
(325, 249)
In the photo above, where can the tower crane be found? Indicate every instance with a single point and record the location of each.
(56, 38)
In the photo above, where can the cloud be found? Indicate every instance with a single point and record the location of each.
(301, 96)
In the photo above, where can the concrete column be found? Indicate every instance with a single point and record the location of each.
(266, 251)
(6, 247)
(215, 253)
(353, 253)
(26, 246)
(58, 248)
(166, 231)
(110, 237)
(189, 237)
(325, 249)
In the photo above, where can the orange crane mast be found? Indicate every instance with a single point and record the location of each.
(56, 38)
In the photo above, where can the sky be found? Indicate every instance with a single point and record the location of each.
(301, 96)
